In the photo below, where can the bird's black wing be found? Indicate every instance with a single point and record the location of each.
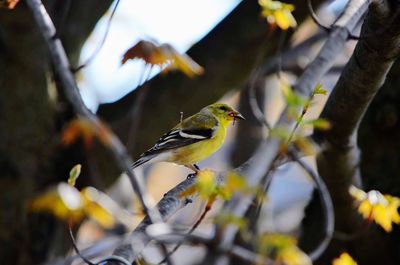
(178, 138)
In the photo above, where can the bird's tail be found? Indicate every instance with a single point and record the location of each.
(140, 161)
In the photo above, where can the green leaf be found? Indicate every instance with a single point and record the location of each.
(291, 97)
(230, 219)
(74, 174)
(318, 90)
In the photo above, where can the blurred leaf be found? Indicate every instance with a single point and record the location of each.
(74, 174)
(206, 185)
(373, 205)
(280, 133)
(63, 201)
(229, 219)
(85, 129)
(163, 55)
(233, 183)
(320, 124)
(9, 4)
(282, 249)
(278, 13)
(94, 209)
(319, 90)
(147, 51)
(292, 98)
(78, 128)
(67, 203)
(344, 259)
(305, 146)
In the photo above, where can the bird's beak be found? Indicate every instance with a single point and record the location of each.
(236, 115)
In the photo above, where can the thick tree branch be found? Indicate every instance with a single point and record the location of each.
(363, 76)
(63, 71)
(304, 86)
(172, 202)
(31, 156)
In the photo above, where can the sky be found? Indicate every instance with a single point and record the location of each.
(178, 22)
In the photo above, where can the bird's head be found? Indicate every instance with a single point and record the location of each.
(224, 112)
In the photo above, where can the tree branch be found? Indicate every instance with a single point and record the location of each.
(62, 70)
(172, 202)
(261, 161)
(362, 77)
(267, 151)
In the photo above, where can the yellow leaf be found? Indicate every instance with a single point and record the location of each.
(284, 19)
(278, 13)
(67, 203)
(282, 249)
(304, 145)
(94, 209)
(186, 65)
(74, 174)
(235, 182)
(373, 205)
(344, 259)
(320, 124)
(63, 201)
(206, 185)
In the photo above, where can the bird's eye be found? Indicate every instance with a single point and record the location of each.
(224, 108)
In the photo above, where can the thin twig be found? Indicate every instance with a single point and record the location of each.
(315, 17)
(207, 208)
(255, 76)
(255, 108)
(327, 207)
(102, 260)
(136, 112)
(75, 246)
(113, 258)
(301, 117)
(103, 40)
(317, 21)
(279, 48)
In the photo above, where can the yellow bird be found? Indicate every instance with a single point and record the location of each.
(193, 139)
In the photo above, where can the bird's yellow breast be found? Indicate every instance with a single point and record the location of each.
(196, 152)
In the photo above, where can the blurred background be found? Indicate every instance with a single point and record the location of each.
(231, 40)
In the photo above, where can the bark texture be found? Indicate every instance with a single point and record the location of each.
(30, 121)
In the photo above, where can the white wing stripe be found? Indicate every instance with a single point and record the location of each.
(191, 136)
(164, 142)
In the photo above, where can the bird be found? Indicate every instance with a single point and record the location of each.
(194, 138)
